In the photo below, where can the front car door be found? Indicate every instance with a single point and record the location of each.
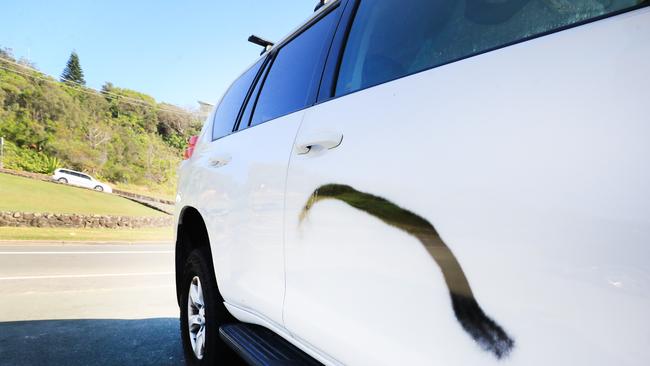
(481, 208)
(223, 171)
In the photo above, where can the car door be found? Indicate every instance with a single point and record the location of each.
(76, 179)
(69, 177)
(244, 173)
(448, 206)
(86, 181)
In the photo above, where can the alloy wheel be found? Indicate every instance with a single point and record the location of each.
(196, 317)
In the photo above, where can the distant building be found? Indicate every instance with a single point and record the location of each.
(204, 109)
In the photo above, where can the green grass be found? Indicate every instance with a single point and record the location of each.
(30, 195)
(165, 234)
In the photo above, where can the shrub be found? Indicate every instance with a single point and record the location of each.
(26, 159)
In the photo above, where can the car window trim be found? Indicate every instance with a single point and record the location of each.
(216, 109)
(315, 19)
(249, 95)
(330, 90)
(250, 88)
(266, 67)
(276, 50)
(313, 98)
(272, 57)
(335, 54)
(253, 97)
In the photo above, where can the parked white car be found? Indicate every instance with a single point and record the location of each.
(427, 183)
(75, 178)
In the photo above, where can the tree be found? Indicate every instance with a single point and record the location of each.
(107, 88)
(7, 53)
(119, 134)
(173, 120)
(73, 72)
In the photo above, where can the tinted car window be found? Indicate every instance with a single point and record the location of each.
(292, 82)
(231, 103)
(248, 110)
(390, 39)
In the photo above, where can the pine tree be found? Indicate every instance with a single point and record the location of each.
(73, 72)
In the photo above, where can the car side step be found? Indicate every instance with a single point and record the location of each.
(259, 346)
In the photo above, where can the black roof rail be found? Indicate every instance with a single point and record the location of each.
(320, 4)
(261, 42)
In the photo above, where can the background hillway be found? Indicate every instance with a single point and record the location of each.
(116, 134)
(179, 53)
(80, 283)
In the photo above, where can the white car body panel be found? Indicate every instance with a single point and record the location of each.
(531, 162)
(547, 212)
(242, 203)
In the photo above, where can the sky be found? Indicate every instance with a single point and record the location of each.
(178, 51)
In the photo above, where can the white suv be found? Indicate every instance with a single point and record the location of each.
(68, 176)
(427, 183)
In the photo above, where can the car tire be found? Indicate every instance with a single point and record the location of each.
(62, 180)
(99, 188)
(198, 271)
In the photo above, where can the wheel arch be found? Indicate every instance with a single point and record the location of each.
(191, 234)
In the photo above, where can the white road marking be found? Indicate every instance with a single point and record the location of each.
(85, 276)
(116, 252)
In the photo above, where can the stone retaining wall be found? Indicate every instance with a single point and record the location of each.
(27, 219)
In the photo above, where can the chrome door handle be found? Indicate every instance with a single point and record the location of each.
(318, 141)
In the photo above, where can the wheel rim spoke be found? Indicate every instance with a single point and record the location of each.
(194, 321)
(194, 294)
(199, 291)
(200, 340)
(196, 317)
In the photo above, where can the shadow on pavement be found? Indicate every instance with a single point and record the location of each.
(91, 342)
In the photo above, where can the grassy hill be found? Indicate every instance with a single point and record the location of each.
(29, 195)
(116, 134)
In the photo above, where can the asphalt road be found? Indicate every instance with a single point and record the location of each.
(88, 305)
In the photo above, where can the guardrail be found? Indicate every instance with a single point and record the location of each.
(141, 197)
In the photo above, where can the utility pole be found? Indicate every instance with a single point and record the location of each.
(2, 152)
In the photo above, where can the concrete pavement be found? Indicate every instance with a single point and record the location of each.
(88, 305)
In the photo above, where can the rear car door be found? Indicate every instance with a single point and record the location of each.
(447, 205)
(86, 181)
(77, 179)
(243, 173)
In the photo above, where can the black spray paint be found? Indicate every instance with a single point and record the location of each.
(485, 331)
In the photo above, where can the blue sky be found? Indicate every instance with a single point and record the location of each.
(178, 51)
